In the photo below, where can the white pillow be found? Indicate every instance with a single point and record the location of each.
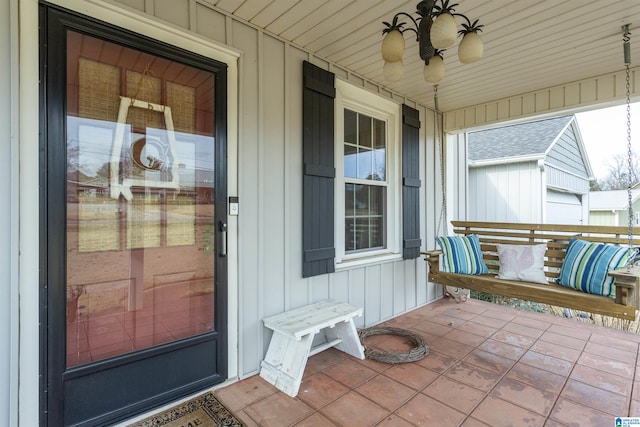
(522, 262)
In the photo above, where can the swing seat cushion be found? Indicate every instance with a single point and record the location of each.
(586, 266)
(462, 255)
(522, 262)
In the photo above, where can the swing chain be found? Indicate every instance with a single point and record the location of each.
(627, 62)
(439, 145)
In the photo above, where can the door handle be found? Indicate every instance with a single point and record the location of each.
(222, 227)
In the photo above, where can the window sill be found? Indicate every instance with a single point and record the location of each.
(367, 259)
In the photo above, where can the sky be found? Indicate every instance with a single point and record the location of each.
(604, 133)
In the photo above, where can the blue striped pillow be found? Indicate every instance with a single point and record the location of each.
(462, 254)
(586, 265)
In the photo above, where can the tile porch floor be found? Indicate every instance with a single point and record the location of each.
(488, 365)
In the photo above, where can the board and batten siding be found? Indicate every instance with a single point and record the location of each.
(269, 176)
(510, 192)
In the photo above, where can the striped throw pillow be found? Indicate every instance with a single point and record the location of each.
(586, 265)
(462, 255)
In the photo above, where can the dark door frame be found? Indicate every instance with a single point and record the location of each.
(56, 381)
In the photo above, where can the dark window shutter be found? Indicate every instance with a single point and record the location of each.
(410, 183)
(319, 171)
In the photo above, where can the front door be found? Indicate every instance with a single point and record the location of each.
(133, 191)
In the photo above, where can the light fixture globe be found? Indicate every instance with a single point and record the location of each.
(392, 46)
(393, 71)
(434, 70)
(471, 48)
(443, 31)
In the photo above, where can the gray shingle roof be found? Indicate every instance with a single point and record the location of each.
(526, 139)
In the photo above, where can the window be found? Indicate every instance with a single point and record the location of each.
(367, 176)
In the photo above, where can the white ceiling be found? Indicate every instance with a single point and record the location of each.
(529, 44)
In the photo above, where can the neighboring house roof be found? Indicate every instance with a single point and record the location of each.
(531, 139)
(614, 200)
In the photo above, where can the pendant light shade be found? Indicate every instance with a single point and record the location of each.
(434, 70)
(436, 30)
(471, 48)
(444, 31)
(393, 71)
(392, 46)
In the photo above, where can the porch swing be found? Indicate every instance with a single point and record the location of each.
(589, 268)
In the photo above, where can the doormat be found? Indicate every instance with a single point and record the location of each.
(204, 410)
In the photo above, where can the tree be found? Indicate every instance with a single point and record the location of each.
(617, 177)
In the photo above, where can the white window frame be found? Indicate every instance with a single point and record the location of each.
(362, 101)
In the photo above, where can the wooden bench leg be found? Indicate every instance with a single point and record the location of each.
(284, 363)
(348, 335)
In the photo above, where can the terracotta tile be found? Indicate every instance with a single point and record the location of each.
(479, 329)
(454, 393)
(603, 380)
(596, 398)
(437, 362)
(278, 410)
(459, 313)
(611, 341)
(547, 363)
(411, 375)
(531, 398)
(499, 314)
(426, 336)
(373, 364)
(464, 337)
(512, 338)
(447, 320)
(394, 421)
(538, 378)
(472, 422)
(432, 328)
(451, 348)
(608, 365)
(552, 423)
(474, 306)
(563, 340)
(354, 410)
(386, 392)
(502, 349)
(490, 361)
(522, 330)
(497, 412)
(532, 321)
(405, 321)
(574, 414)
(555, 350)
(424, 411)
(577, 330)
(634, 409)
(492, 322)
(316, 420)
(612, 353)
(476, 377)
(324, 359)
(245, 392)
(318, 390)
(350, 373)
(246, 419)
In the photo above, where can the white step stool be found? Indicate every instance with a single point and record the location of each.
(293, 333)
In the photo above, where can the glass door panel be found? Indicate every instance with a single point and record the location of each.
(140, 218)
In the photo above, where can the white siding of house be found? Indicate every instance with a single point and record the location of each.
(265, 171)
(604, 217)
(506, 193)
